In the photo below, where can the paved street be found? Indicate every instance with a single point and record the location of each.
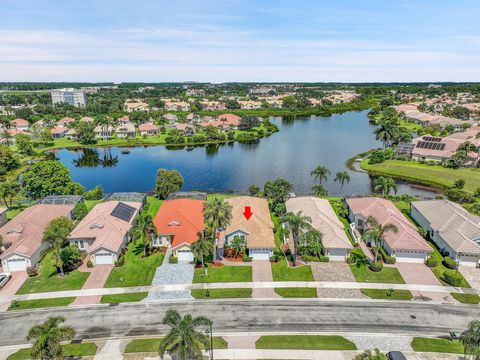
(251, 315)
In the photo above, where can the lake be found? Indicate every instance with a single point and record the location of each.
(292, 153)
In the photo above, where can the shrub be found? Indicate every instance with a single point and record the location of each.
(247, 258)
(315, 258)
(450, 263)
(376, 266)
(172, 260)
(199, 138)
(80, 211)
(387, 259)
(15, 304)
(120, 261)
(274, 258)
(94, 194)
(376, 157)
(32, 271)
(89, 264)
(175, 139)
(431, 262)
(352, 259)
(452, 279)
(459, 184)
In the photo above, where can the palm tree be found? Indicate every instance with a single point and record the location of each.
(298, 224)
(144, 230)
(201, 249)
(320, 173)
(383, 134)
(342, 177)
(319, 190)
(217, 215)
(184, 338)
(312, 241)
(47, 338)
(384, 184)
(8, 190)
(471, 340)
(7, 136)
(376, 231)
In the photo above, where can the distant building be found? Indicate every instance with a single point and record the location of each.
(70, 96)
(131, 105)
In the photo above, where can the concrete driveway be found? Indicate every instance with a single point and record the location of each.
(471, 274)
(420, 274)
(10, 288)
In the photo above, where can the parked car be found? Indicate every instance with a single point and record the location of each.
(396, 355)
(4, 277)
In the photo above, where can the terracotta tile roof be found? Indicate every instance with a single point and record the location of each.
(323, 218)
(229, 119)
(20, 122)
(107, 230)
(25, 231)
(147, 127)
(58, 130)
(455, 225)
(182, 218)
(64, 121)
(407, 236)
(259, 227)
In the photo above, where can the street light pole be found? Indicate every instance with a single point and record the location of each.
(210, 330)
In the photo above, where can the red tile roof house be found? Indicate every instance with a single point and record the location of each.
(65, 121)
(105, 231)
(58, 132)
(178, 223)
(23, 235)
(224, 121)
(406, 245)
(148, 129)
(21, 124)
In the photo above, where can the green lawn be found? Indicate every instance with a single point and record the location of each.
(299, 292)
(440, 269)
(120, 298)
(389, 275)
(224, 274)
(90, 204)
(387, 295)
(430, 175)
(42, 303)
(437, 345)
(137, 270)
(304, 342)
(70, 350)
(466, 298)
(221, 293)
(50, 280)
(152, 345)
(153, 205)
(282, 272)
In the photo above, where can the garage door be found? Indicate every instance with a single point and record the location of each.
(337, 254)
(17, 264)
(410, 256)
(259, 254)
(468, 260)
(185, 255)
(103, 259)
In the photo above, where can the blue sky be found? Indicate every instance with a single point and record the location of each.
(240, 40)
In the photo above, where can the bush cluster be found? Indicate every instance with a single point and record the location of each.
(172, 260)
(32, 271)
(316, 258)
(376, 266)
(452, 279)
(431, 262)
(120, 261)
(450, 263)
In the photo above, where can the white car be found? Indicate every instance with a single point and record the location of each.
(4, 277)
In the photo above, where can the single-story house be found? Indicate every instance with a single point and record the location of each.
(87, 119)
(406, 245)
(185, 129)
(257, 231)
(177, 106)
(335, 242)
(103, 132)
(65, 121)
(72, 134)
(170, 117)
(3, 216)
(148, 129)
(21, 124)
(126, 130)
(131, 105)
(451, 227)
(23, 235)
(105, 231)
(58, 132)
(179, 223)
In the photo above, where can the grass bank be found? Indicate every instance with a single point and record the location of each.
(282, 272)
(385, 294)
(297, 292)
(437, 345)
(305, 342)
(221, 293)
(121, 298)
(40, 303)
(223, 274)
(69, 350)
(152, 345)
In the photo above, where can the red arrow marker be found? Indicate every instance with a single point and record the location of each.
(248, 212)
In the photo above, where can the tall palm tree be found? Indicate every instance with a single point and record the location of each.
(342, 177)
(376, 231)
(312, 241)
(298, 224)
(47, 337)
(217, 215)
(184, 339)
(201, 249)
(8, 190)
(144, 230)
(384, 184)
(471, 340)
(320, 173)
(384, 134)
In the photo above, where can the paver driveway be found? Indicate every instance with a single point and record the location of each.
(261, 272)
(335, 271)
(471, 274)
(96, 279)
(420, 274)
(11, 287)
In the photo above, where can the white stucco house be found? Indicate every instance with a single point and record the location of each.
(452, 228)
